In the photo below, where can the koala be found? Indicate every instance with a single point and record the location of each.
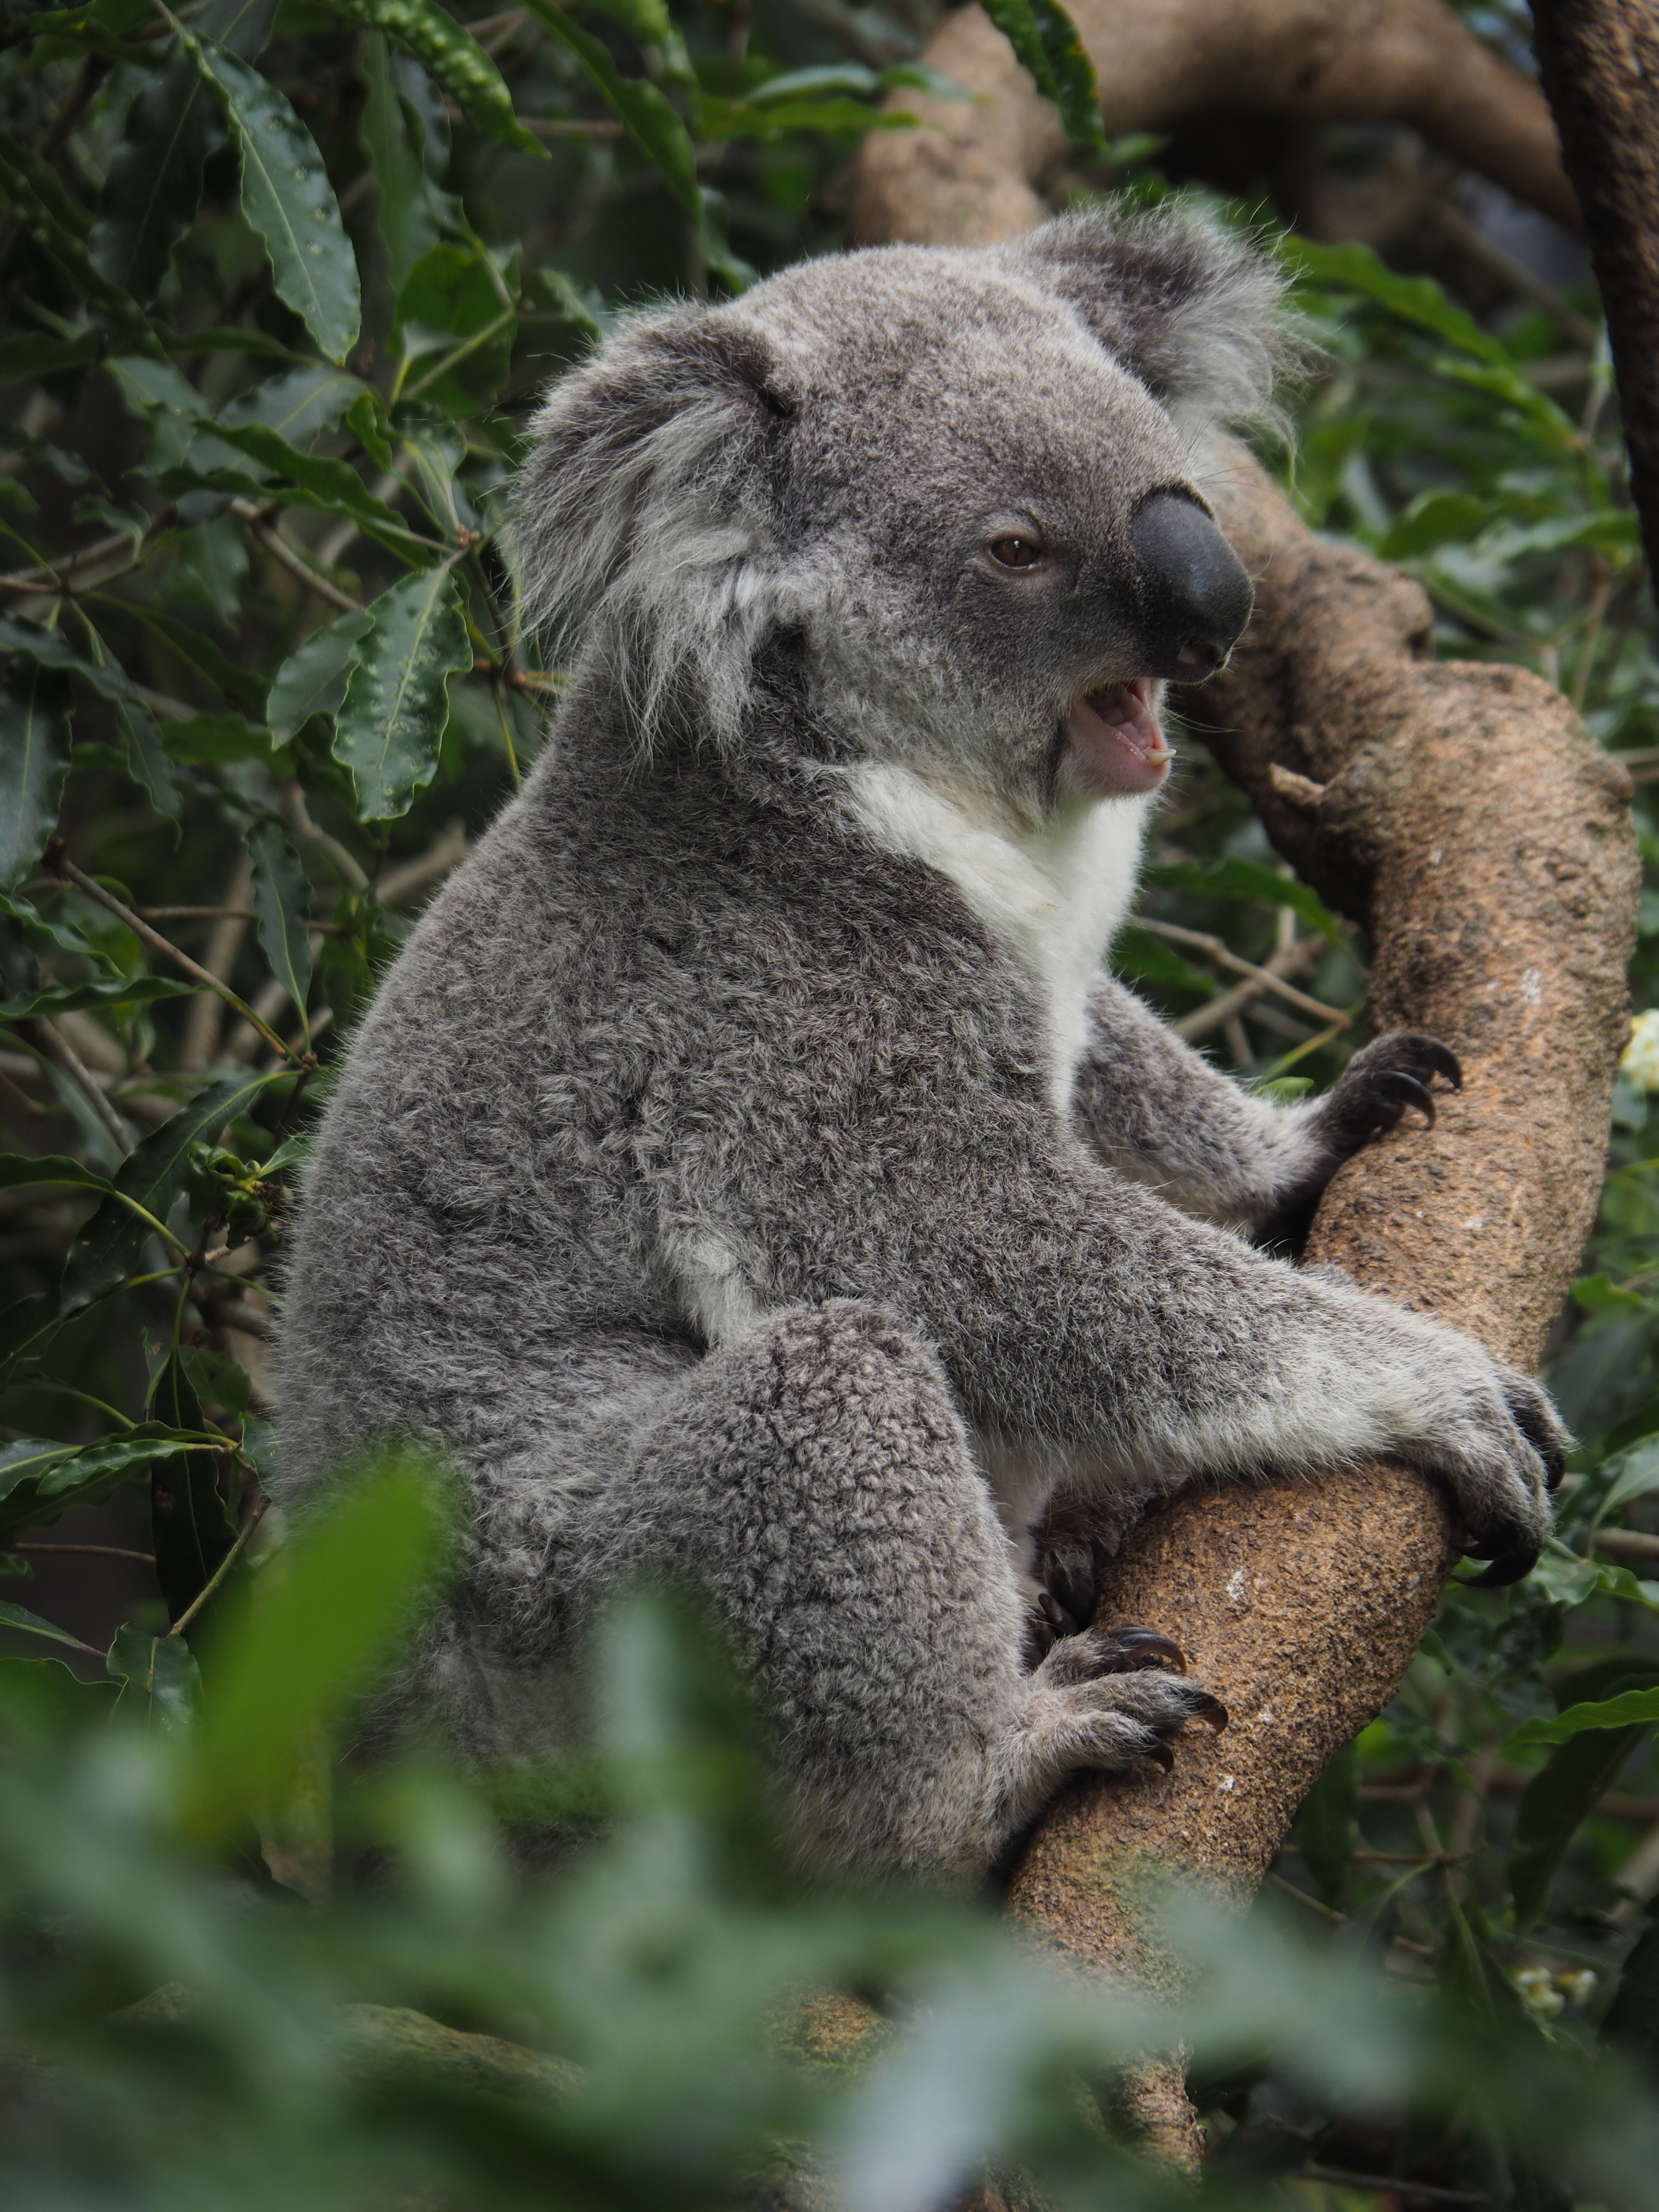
(749, 1171)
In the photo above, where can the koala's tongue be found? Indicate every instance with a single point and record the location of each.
(1114, 744)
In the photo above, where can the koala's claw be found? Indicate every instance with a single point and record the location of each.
(1397, 1089)
(1507, 1567)
(1121, 1650)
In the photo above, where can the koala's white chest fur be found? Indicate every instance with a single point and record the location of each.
(1054, 894)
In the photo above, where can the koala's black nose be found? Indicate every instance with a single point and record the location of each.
(1195, 595)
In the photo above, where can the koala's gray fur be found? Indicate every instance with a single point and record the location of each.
(747, 1169)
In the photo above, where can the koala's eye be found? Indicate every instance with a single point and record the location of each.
(1015, 552)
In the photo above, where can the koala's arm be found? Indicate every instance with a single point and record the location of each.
(1080, 1315)
(1159, 1112)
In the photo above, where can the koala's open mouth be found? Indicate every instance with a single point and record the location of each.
(1114, 746)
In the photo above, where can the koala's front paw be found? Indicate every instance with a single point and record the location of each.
(1376, 1086)
(1502, 1451)
(1113, 1700)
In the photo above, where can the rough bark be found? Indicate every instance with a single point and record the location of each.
(1461, 812)
(967, 176)
(1599, 60)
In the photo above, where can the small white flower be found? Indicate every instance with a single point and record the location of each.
(1538, 1991)
(1640, 1062)
(1576, 1984)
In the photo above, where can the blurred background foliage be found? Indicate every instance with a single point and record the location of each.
(280, 281)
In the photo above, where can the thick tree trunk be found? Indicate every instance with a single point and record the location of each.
(967, 175)
(1599, 60)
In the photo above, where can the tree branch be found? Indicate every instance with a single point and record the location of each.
(968, 174)
(1599, 60)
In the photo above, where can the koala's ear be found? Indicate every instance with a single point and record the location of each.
(1196, 313)
(651, 446)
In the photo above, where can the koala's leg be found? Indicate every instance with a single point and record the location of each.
(816, 1478)
(1157, 1110)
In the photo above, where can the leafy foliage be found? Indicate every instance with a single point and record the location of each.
(282, 284)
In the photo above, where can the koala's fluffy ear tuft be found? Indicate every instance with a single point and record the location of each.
(643, 503)
(1194, 311)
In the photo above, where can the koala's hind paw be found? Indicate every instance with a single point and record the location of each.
(1106, 1700)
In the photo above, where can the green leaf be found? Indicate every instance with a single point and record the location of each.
(453, 293)
(1327, 1830)
(246, 685)
(281, 902)
(1619, 1712)
(289, 200)
(190, 1530)
(408, 222)
(1046, 44)
(216, 740)
(327, 486)
(309, 1641)
(34, 753)
(16, 1616)
(40, 1479)
(313, 679)
(146, 761)
(35, 353)
(160, 1674)
(38, 1170)
(1435, 517)
(1556, 1800)
(1247, 879)
(644, 111)
(454, 58)
(298, 407)
(144, 1189)
(1638, 1476)
(119, 992)
(154, 184)
(397, 703)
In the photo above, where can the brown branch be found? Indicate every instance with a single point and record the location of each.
(969, 175)
(1599, 60)
(1462, 814)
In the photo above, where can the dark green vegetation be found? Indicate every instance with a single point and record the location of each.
(280, 285)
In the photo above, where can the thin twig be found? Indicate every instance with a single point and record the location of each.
(221, 1571)
(1220, 1011)
(57, 1047)
(278, 547)
(1384, 2184)
(1222, 954)
(60, 863)
(95, 1550)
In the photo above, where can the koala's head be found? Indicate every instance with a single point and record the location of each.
(943, 499)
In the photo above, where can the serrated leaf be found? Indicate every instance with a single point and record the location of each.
(313, 679)
(159, 1673)
(154, 184)
(289, 200)
(397, 703)
(34, 755)
(453, 57)
(282, 902)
